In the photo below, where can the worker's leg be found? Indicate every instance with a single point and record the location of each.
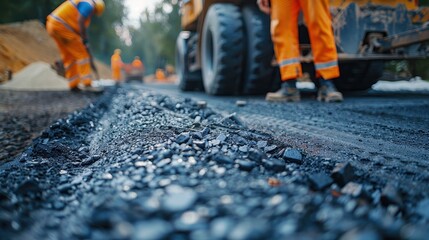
(84, 68)
(83, 64)
(116, 73)
(284, 31)
(61, 38)
(70, 66)
(318, 19)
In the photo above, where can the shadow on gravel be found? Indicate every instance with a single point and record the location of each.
(388, 94)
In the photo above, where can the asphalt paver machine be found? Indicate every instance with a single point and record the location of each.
(225, 47)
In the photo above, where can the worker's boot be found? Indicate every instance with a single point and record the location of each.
(287, 93)
(75, 90)
(328, 92)
(94, 89)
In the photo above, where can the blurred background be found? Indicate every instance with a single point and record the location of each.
(138, 27)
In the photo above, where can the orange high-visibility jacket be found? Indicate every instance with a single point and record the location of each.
(63, 26)
(137, 64)
(68, 15)
(116, 64)
(160, 75)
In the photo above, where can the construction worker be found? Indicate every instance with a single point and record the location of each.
(68, 25)
(160, 75)
(117, 65)
(284, 31)
(137, 64)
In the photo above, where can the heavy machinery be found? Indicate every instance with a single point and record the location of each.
(133, 74)
(225, 46)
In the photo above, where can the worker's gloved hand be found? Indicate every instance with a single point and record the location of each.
(265, 6)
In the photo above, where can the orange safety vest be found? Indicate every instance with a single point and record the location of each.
(160, 75)
(68, 15)
(137, 64)
(116, 62)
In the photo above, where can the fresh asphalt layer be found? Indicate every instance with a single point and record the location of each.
(151, 162)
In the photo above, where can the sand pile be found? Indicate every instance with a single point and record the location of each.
(38, 76)
(28, 42)
(25, 43)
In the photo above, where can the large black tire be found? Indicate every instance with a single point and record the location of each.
(359, 76)
(188, 81)
(222, 49)
(258, 72)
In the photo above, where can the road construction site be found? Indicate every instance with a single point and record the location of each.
(167, 161)
(150, 162)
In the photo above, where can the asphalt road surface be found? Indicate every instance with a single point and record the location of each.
(149, 162)
(25, 114)
(386, 133)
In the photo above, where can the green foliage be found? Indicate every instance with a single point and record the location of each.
(154, 40)
(424, 2)
(420, 68)
(20, 10)
(102, 31)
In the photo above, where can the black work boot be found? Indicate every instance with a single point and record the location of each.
(75, 90)
(287, 93)
(328, 92)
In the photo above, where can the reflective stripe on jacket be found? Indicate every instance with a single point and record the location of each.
(68, 15)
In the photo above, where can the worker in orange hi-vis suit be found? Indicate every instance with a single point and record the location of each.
(160, 75)
(284, 31)
(116, 65)
(137, 64)
(67, 25)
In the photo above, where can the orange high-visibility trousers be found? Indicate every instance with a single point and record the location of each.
(284, 31)
(73, 53)
(116, 64)
(160, 75)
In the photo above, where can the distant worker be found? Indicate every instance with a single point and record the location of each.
(138, 64)
(169, 69)
(117, 65)
(68, 25)
(284, 31)
(160, 75)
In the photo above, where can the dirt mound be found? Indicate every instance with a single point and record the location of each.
(24, 43)
(38, 76)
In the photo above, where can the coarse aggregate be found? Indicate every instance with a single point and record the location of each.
(139, 164)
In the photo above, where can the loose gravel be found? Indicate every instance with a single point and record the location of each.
(140, 165)
(24, 115)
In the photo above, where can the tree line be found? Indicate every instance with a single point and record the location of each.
(153, 39)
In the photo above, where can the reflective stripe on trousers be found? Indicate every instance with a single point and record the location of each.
(58, 19)
(284, 30)
(73, 53)
(326, 65)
